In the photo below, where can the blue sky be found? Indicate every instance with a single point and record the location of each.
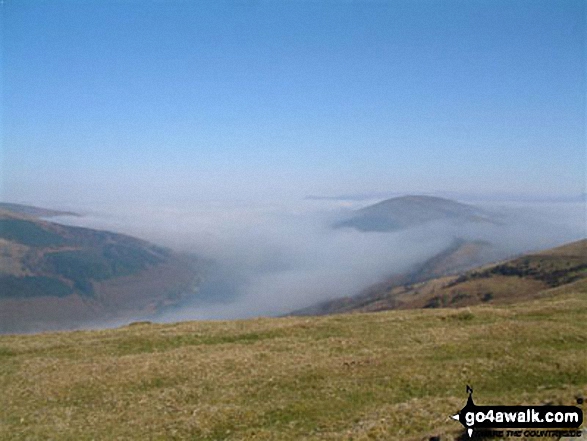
(178, 100)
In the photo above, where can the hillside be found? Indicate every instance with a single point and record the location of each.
(505, 282)
(54, 276)
(33, 211)
(394, 375)
(409, 211)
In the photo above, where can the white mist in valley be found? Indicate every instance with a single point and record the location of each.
(270, 259)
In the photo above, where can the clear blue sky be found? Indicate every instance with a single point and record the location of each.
(141, 100)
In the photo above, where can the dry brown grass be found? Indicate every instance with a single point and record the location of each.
(391, 376)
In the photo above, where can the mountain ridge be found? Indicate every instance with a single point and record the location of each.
(29, 210)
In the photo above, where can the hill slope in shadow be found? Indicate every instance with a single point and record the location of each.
(54, 276)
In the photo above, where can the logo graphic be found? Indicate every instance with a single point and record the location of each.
(474, 417)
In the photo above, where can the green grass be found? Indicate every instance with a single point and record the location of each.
(396, 375)
(137, 344)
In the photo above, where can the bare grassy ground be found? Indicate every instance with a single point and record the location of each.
(395, 375)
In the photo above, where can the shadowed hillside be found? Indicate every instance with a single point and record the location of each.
(409, 211)
(56, 276)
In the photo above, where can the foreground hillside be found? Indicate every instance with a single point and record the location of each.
(508, 281)
(394, 375)
(54, 276)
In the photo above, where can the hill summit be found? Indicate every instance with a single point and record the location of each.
(408, 211)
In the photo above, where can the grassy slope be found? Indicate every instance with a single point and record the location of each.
(393, 375)
(505, 282)
(510, 281)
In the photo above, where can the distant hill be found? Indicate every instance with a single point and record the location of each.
(56, 276)
(509, 281)
(33, 211)
(408, 211)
